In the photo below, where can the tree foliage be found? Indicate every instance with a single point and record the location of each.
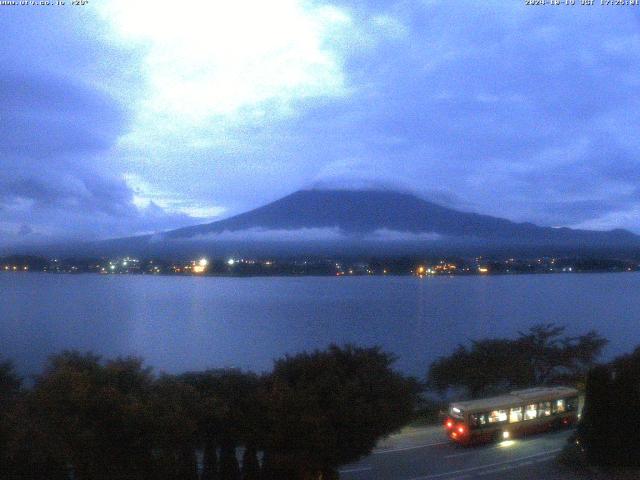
(10, 382)
(539, 356)
(91, 419)
(608, 430)
(329, 408)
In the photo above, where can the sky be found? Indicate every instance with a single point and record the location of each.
(122, 118)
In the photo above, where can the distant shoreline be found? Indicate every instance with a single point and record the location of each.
(302, 275)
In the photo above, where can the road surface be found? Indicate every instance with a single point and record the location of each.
(426, 454)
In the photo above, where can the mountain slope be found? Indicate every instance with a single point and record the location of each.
(358, 213)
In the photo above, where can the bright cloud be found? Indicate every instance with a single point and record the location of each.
(209, 73)
(144, 195)
(230, 58)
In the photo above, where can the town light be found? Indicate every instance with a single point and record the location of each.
(203, 262)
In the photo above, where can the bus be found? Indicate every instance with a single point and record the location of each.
(519, 412)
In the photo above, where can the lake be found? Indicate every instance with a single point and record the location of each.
(187, 323)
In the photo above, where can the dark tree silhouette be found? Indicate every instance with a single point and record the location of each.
(174, 441)
(537, 357)
(330, 407)
(10, 385)
(597, 424)
(98, 415)
(250, 464)
(232, 416)
(89, 419)
(210, 469)
(608, 430)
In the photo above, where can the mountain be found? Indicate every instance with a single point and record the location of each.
(365, 212)
(324, 221)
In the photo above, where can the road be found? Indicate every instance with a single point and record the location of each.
(426, 454)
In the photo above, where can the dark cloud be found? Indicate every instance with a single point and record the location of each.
(58, 178)
(499, 105)
(47, 115)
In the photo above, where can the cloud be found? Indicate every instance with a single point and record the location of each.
(386, 235)
(496, 113)
(276, 235)
(333, 234)
(25, 230)
(230, 59)
(47, 115)
(57, 179)
(144, 194)
(141, 118)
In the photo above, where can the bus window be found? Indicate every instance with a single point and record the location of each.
(455, 412)
(572, 404)
(544, 409)
(530, 412)
(477, 420)
(515, 415)
(497, 416)
(558, 406)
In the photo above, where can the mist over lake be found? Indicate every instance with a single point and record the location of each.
(188, 323)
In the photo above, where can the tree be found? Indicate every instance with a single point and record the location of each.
(627, 407)
(608, 429)
(232, 416)
(97, 416)
(330, 407)
(250, 464)
(553, 357)
(539, 356)
(10, 385)
(487, 367)
(542, 346)
(174, 438)
(89, 419)
(597, 423)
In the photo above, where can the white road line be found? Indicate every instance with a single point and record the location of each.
(540, 460)
(355, 469)
(404, 449)
(469, 452)
(481, 467)
(497, 470)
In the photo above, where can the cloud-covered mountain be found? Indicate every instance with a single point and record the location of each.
(359, 222)
(367, 219)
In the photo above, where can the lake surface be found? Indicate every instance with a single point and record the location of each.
(186, 323)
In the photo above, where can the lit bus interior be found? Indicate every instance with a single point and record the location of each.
(519, 412)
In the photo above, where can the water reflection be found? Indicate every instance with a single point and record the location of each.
(182, 323)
